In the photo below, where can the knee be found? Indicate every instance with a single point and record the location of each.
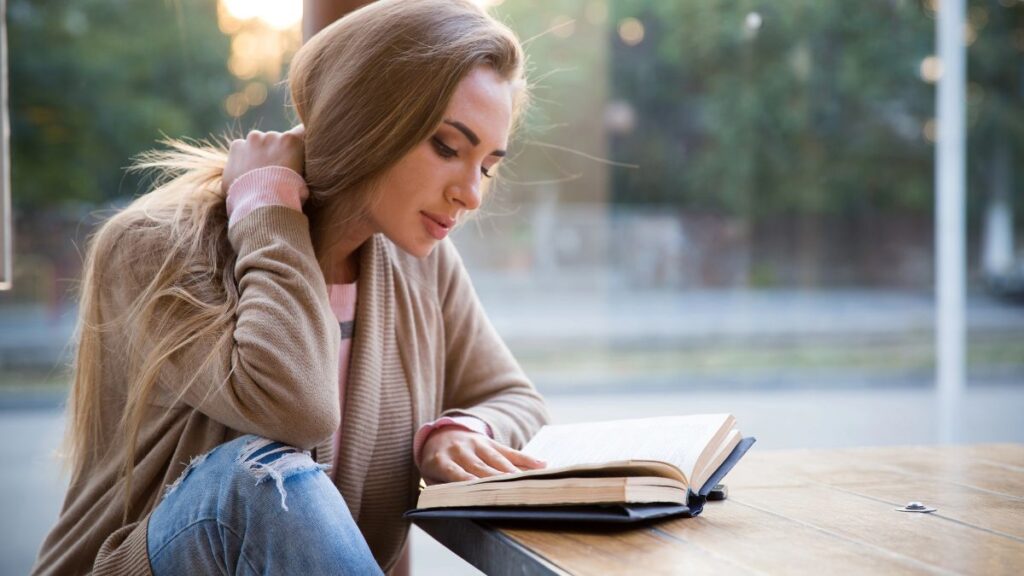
(235, 464)
(264, 459)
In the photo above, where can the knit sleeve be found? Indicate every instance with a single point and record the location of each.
(467, 423)
(267, 186)
(482, 378)
(273, 370)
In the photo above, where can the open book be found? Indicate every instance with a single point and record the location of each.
(667, 463)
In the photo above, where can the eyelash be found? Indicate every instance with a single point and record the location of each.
(446, 152)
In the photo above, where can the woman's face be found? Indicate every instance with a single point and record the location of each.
(439, 181)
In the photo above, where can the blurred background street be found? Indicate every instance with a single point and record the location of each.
(711, 206)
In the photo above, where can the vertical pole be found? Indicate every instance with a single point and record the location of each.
(6, 219)
(317, 14)
(950, 181)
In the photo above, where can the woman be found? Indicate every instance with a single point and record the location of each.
(267, 363)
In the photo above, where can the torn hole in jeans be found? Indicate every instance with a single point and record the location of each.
(265, 458)
(195, 461)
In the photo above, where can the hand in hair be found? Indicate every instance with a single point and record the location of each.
(451, 454)
(262, 149)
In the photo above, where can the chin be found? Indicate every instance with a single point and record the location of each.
(418, 249)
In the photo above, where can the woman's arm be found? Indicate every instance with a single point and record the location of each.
(483, 380)
(274, 373)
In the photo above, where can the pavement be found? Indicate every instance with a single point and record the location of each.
(589, 312)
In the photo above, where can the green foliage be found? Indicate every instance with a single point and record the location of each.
(995, 98)
(94, 82)
(820, 109)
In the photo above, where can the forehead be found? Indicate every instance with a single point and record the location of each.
(483, 102)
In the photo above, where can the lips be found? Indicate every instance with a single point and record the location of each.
(437, 225)
(441, 219)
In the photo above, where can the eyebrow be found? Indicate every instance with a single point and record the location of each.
(471, 136)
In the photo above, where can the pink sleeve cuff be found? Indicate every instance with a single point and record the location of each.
(267, 186)
(468, 423)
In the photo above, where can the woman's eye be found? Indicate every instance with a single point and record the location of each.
(442, 149)
(446, 152)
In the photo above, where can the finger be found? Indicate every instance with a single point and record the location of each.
(450, 471)
(479, 468)
(298, 130)
(471, 463)
(495, 460)
(520, 459)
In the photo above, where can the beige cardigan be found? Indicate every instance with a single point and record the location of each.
(423, 347)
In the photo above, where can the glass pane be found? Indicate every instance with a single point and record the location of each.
(995, 206)
(94, 83)
(706, 196)
(765, 217)
(713, 205)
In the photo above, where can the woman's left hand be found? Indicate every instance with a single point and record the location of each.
(451, 454)
(262, 149)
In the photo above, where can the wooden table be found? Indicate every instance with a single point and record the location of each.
(797, 512)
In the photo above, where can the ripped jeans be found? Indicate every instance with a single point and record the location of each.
(254, 506)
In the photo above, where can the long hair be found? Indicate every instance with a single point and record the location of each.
(368, 89)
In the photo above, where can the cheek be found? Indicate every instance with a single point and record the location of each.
(413, 184)
(400, 202)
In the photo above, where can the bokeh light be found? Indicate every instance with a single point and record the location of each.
(631, 31)
(264, 36)
(931, 69)
(753, 21)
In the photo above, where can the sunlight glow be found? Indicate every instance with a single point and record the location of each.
(264, 35)
(485, 4)
(278, 14)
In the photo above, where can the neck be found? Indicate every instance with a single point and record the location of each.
(337, 237)
(342, 261)
(344, 271)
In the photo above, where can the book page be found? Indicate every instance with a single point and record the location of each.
(678, 440)
(701, 476)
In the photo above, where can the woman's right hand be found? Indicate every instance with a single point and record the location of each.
(451, 454)
(262, 149)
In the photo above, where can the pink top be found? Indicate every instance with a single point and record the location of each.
(343, 304)
(280, 186)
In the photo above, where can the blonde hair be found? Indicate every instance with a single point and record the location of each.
(368, 89)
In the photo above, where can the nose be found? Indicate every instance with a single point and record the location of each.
(466, 193)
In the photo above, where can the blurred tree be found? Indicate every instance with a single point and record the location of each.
(755, 107)
(94, 82)
(995, 124)
(796, 115)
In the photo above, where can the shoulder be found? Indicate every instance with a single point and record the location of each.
(129, 246)
(136, 249)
